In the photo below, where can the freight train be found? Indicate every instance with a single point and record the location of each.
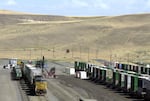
(132, 79)
(34, 76)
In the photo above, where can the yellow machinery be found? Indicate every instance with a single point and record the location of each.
(40, 86)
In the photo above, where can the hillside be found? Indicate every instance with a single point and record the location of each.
(118, 34)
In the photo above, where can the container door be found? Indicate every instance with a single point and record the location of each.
(146, 69)
(126, 81)
(129, 82)
(122, 80)
(136, 83)
(96, 73)
(120, 66)
(89, 71)
(116, 78)
(93, 72)
(132, 83)
(149, 71)
(75, 65)
(103, 75)
(137, 69)
(99, 73)
(123, 66)
(142, 70)
(129, 67)
(119, 79)
(109, 75)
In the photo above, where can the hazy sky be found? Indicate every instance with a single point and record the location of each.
(78, 7)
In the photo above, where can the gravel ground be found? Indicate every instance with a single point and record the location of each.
(84, 88)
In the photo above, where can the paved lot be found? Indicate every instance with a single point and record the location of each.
(8, 89)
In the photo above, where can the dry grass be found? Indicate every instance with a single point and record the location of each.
(117, 36)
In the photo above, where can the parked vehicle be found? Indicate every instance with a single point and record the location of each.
(13, 62)
(7, 66)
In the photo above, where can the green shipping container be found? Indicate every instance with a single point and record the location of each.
(123, 80)
(134, 83)
(109, 76)
(115, 78)
(76, 65)
(94, 73)
(103, 74)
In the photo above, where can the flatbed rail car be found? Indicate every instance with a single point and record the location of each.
(34, 76)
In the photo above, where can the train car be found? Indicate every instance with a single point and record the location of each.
(134, 84)
(115, 78)
(122, 80)
(17, 72)
(109, 76)
(103, 75)
(130, 78)
(95, 72)
(80, 66)
(89, 70)
(146, 86)
(34, 76)
(138, 87)
(127, 83)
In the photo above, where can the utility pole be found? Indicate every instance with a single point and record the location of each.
(110, 57)
(41, 52)
(96, 55)
(88, 54)
(116, 58)
(128, 58)
(80, 51)
(30, 53)
(53, 52)
(72, 53)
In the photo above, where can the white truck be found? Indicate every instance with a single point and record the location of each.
(13, 62)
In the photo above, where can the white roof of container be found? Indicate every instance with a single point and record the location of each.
(96, 66)
(30, 66)
(36, 72)
(103, 68)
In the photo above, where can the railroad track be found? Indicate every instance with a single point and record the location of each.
(24, 97)
(26, 93)
(43, 98)
(38, 98)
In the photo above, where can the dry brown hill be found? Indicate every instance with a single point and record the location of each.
(118, 34)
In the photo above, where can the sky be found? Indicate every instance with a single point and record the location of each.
(78, 7)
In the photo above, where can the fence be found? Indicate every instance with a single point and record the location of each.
(63, 54)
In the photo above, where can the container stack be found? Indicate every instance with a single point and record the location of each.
(129, 78)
